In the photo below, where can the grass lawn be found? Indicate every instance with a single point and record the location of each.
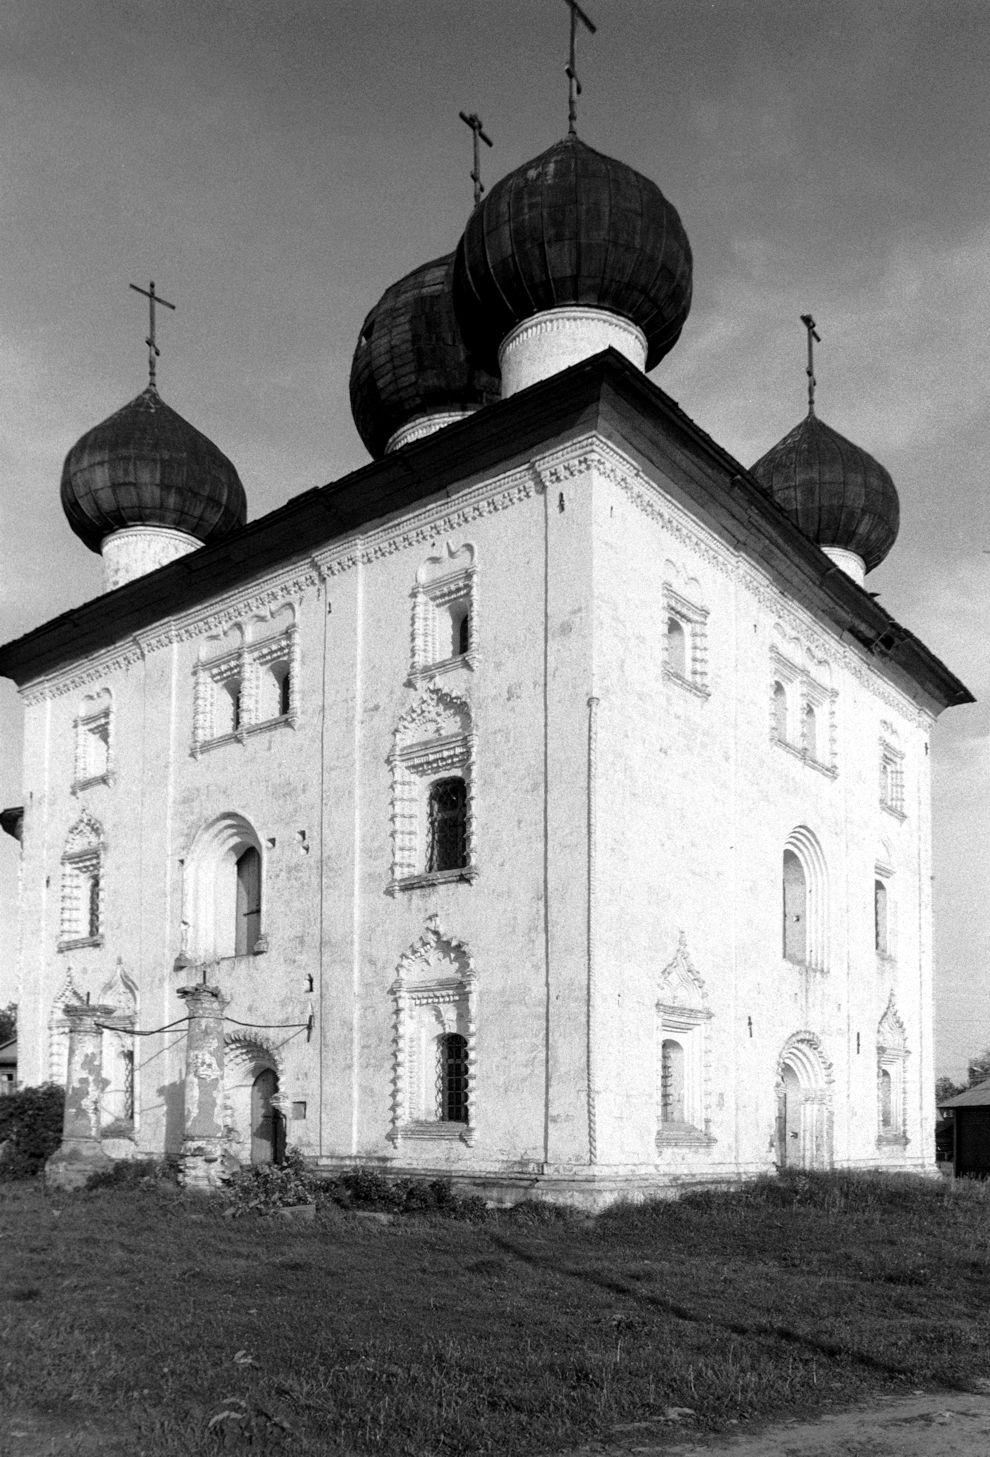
(137, 1321)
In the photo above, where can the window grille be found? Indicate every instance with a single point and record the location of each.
(127, 1059)
(452, 1078)
(447, 848)
(234, 690)
(93, 904)
(671, 1082)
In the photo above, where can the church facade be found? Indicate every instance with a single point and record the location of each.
(543, 803)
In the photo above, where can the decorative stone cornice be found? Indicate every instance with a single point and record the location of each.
(591, 454)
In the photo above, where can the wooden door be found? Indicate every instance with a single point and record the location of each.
(264, 1119)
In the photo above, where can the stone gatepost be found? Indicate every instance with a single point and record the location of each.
(202, 1143)
(80, 1153)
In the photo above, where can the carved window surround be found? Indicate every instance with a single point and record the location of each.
(683, 1016)
(693, 621)
(892, 1056)
(803, 692)
(247, 672)
(93, 744)
(82, 888)
(445, 583)
(891, 776)
(434, 993)
(433, 739)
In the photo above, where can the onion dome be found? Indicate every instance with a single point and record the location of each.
(410, 362)
(146, 466)
(572, 228)
(834, 491)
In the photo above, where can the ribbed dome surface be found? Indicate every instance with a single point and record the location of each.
(834, 491)
(572, 227)
(410, 359)
(146, 466)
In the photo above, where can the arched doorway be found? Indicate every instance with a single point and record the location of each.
(804, 1105)
(267, 1121)
(253, 1118)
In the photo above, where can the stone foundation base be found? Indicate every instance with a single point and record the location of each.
(202, 1165)
(71, 1165)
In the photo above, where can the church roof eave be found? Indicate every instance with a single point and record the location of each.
(604, 393)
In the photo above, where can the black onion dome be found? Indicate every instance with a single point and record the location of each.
(410, 359)
(572, 227)
(146, 466)
(834, 491)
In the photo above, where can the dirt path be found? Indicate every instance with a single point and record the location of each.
(929, 1424)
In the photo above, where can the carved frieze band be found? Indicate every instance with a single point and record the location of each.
(422, 527)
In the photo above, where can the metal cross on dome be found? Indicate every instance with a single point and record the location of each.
(573, 84)
(153, 350)
(477, 126)
(813, 335)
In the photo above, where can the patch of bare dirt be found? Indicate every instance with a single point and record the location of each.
(925, 1424)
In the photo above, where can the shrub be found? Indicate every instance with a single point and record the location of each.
(372, 1190)
(267, 1187)
(133, 1174)
(30, 1129)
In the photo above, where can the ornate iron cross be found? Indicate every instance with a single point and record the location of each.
(573, 84)
(153, 350)
(477, 127)
(813, 335)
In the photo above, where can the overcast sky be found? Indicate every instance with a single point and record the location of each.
(275, 164)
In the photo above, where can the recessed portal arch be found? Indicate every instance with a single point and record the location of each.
(255, 1119)
(804, 1104)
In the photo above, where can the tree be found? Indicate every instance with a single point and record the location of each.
(979, 1068)
(945, 1089)
(8, 1023)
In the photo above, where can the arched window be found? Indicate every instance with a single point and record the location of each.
(676, 647)
(671, 1082)
(227, 707)
(281, 672)
(805, 900)
(460, 629)
(452, 1078)
(248, 926)
(795, 909)
(447, 813)
(811, 732)
(82, 883)
(880, 917)
(780, 711)
(891, 1065)
(886, 1101)
(225, 892)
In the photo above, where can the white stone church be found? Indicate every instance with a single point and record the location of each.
(545, 804)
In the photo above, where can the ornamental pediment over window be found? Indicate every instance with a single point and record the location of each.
(436, 715)
(444, 619)
(680, 987)
(247, 678)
